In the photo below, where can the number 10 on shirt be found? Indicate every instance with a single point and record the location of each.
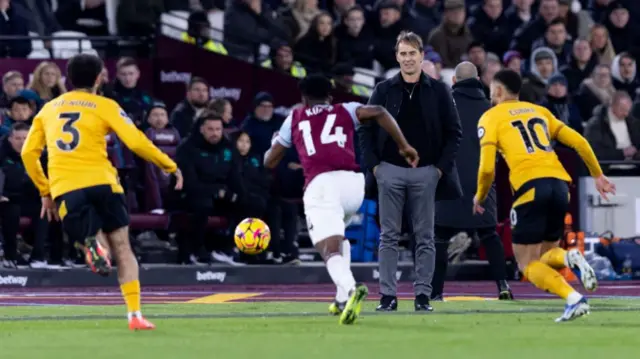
(326, 137)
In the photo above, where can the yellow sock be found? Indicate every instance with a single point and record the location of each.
(131, 295)
(555, 258)
(548, 279)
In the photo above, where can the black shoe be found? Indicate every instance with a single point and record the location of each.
(437, 298)
(421, 304)
(504, 291)
(388, 303)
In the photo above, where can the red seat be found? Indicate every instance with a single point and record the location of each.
(149, 221)
(214, 222)
(25, 222)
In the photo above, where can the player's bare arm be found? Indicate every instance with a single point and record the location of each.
(386, 122)
(573, 139)
(274, 155)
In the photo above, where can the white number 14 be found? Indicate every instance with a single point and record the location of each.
(326, 136)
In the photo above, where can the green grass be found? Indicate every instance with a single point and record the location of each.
(485, 331)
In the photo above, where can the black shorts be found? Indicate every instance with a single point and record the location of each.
(86, 211)
(538, 212)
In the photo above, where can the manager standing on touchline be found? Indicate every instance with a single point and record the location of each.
(427, 116)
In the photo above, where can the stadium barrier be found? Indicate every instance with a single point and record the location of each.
(169, 275)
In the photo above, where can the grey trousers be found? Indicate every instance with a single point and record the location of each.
(416, 186)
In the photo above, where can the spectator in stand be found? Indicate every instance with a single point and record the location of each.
(20, 111)
(623, 33)
(249, 23)
(518, 14)
(35, 101)
(594, 91)
(601, 44)
(529, 32)
(12, 84)
(430, 70)
(556, 38)
(489, 69)
(355, 40)
(389, 26)
(281, 60)
(625, 75)
(223, 108)
(139, 17)
(560, 104)
(47, 81)
(13, 22)
(577, 23)
(598, 9)
(262, 123)
(435, 58)
(338, 8)
(582, 63)
(452, 37)
(133, 100)
(490, 26)
(513, 61)
(317, 49)
(255, 179)
(193, 5)
(40, 17)
(543, 65)
(477, 55)
(199, 33)
(297, 18)
(343, 81)
(428, 17)
(185, 113)
(613, 134)
(212, 185)
(19, 197)
(87, 16)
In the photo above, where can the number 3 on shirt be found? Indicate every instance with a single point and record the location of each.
(69, 119)
(326, 137)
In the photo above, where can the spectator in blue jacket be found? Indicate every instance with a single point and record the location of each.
(20, 111)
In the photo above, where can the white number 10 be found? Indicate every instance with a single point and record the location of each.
(326, 136)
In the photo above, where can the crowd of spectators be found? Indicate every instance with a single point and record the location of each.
(578, 58)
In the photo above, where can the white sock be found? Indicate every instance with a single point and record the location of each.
(574, 298)
(341, 274)
(130, 315)
(341, 295)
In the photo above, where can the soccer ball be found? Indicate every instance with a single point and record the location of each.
(252, 236)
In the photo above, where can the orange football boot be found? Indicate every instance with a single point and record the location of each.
(139, 323)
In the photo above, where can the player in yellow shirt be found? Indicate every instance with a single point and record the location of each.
(82, 188)
(522, 132)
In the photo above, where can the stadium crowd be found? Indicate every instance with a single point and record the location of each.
(578, 58)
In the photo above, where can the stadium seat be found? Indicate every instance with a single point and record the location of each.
(173, 26)
(365, 77)
(112, 9)
(25, 222)
(446, 75)
(149, 221)
(157, 181)
(65, 49)
(38, 51)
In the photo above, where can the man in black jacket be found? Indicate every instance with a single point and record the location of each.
(454, 221)
(427, 115)
(212, 184)
(19, 197)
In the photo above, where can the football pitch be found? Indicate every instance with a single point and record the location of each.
(267, 322)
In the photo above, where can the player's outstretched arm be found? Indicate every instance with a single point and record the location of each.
(31, 153)
(279, 144)
(136, 141)
(385, 121)
(569, 137)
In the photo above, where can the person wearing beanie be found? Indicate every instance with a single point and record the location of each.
(559, 102)
(513, 61)
(542, 65)
(262, 123)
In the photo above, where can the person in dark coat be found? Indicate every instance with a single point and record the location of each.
(213, 186)
(427, 115)
(455, 224)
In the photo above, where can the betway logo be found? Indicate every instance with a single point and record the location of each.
(12, 280)
(209, 276)
(173, 76)
(223, 92)
(376, 274)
